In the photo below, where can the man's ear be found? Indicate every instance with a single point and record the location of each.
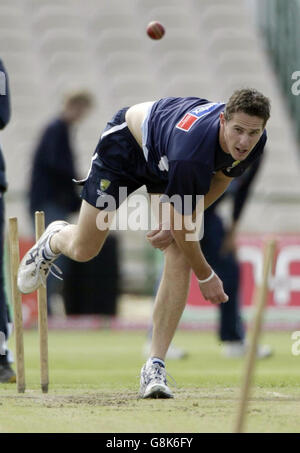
(222, 118)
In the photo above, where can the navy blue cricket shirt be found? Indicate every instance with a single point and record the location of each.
(181, 145)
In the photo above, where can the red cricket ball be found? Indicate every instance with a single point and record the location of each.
(155, 30)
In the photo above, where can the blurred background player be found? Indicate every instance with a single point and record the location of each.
(51, 187)
(219, 247)
(6, 372)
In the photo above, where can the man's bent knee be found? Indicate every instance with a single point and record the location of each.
(82, 253)
(175, 259)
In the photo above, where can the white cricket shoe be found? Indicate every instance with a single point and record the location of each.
(34, 267)
(153, 383)
(237, 349)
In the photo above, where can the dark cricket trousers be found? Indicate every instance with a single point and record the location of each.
(227, 267)
(4, 312)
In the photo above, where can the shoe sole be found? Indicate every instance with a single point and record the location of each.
(156, 392)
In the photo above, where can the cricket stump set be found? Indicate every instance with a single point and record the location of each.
(260, 300)
(17, 307)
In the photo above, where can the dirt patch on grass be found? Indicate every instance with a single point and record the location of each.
(89, 399)
(185, 399)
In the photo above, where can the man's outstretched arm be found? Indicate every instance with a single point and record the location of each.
(213, 288)
(161, 238)
(218, 185)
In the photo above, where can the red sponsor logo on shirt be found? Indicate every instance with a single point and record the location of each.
(187, 122)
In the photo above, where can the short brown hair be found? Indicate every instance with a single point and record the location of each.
(79, 97)
(250, 101)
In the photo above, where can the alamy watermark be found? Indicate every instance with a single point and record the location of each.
(295, 88)
(149, 212)
(296, 345)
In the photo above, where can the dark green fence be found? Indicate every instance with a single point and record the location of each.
(279, 21)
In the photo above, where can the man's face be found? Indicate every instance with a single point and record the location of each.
(240, 134)
(77, 111)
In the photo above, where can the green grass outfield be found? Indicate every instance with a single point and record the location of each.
(94, 379)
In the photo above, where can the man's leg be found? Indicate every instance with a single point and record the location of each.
(3, 307)
(79, 242)
(83, 241)
(6, 372)
(232, 331)
(231, 325)
(231, 328)
(227, 267)
(169, 305)
(170, 300)
(174, 352)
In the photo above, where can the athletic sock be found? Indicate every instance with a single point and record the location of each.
(157, 360)
(48, 254)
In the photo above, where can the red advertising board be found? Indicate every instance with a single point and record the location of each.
(284, 281)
